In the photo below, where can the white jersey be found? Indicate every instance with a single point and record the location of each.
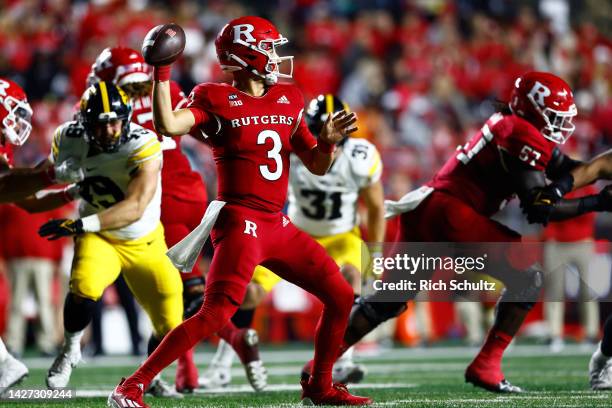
(327, 205)
(107, 175)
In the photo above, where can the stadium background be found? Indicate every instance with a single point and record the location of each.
(420, 74)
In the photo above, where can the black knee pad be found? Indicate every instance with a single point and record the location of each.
(524, 289)
(78, 312)
(378, 312)
(192, 301)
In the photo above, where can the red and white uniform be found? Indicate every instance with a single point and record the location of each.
(473, 185)
(252, 138)
(184, 197)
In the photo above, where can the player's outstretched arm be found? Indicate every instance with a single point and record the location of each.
(18, 184)
(542, 204)
(167, 121)
(47, 200)
(318, 159)
(140, 192)
(598, 168)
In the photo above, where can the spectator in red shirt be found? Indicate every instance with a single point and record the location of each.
(569, 243)
(30, 260)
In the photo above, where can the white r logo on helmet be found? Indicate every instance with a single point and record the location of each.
(539, 92)
(246, 30)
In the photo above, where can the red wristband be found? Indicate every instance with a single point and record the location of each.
(162, 73)
(325, 147)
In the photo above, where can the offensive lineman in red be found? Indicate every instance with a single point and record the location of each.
(513, 154)
(252, 127)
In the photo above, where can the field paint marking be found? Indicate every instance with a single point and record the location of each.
(301, 356)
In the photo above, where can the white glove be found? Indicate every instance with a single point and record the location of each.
(68, 171)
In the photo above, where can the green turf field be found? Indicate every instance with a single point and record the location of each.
(431, 377)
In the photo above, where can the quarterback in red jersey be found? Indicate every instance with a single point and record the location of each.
(184, 200)
(252, 127)
(513, 154)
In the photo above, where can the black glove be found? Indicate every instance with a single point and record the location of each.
(540, 204)
(60, 228)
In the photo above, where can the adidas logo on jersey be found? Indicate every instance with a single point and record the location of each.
(283, 99)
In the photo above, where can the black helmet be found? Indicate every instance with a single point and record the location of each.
(320, 108)
(101, 103)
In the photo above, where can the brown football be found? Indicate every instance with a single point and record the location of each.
(163, 44)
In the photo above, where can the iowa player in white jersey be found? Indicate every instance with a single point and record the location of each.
(119, 229)
(326, 208)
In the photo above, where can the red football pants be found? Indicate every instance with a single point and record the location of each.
(244, 238)
(442, 217)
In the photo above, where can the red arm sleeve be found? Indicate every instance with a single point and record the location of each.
(200, 106)
(302, 140)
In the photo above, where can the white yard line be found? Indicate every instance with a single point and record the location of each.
(301, 356)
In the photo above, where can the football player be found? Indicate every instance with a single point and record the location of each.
(183, 202)
(15, 112)
(252, 126)
(18, 184)
(513, 154)
(119, 229)
(326, 208)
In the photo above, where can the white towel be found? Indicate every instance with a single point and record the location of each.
(408, 202)
(185, 253)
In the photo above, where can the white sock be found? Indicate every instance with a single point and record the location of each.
(347, 356)
(3, 352)
(72, 341)
(224, 356)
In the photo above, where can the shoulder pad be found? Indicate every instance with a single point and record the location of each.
(364, 158)
(142, 145)
(208, 95)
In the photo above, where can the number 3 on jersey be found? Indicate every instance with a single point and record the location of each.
(273, 154)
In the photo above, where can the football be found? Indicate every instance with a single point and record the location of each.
(163, 44)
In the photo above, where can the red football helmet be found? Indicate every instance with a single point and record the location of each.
(250, 43)
(547, 102)
(119, 65)
(15, 112)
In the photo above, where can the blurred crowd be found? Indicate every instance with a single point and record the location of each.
(422, 74)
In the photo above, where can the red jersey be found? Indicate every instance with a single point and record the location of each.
(251, 139)
(178, 179)
(476, 174)
(19, 233)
